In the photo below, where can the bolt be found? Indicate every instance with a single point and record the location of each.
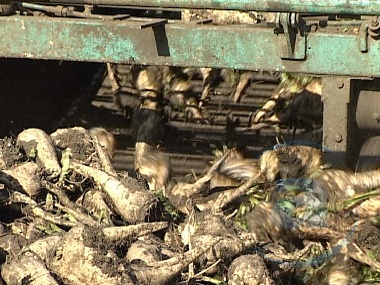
(338, 138)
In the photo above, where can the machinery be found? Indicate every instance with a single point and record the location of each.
(335, 39)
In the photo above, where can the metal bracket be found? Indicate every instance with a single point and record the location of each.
(153, 23)
(368, 28)
(293, 43)
(338, 125)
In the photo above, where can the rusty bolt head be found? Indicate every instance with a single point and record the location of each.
(338, 138)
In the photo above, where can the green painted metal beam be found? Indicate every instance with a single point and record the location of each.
(255, 48)
(369, 7)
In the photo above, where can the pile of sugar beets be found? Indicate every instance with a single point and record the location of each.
(67, 217)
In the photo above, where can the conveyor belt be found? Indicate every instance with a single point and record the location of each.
(189, 145)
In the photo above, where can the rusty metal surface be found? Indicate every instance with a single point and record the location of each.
(312, 6)
(337, 120)
(329, 51)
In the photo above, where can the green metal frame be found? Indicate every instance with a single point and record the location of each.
(328, 51)
(359, 7)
